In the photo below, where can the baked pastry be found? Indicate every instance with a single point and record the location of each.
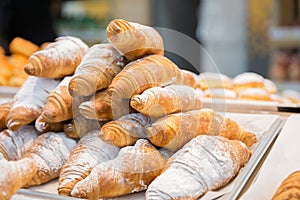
(292, 95)
(125, 130)
(191, 79)
(210, 80)
(58, 59)
(270, 86)
(220, 93)
(28, 102)
(14, 144)
(14, 174)
(4, 110)
(49, 152)
(134, 40)
(257, 94)
(97, 69)
(132, 170)
(22, 46)
(247, 80)
(80, 125)
(89, 152)
(175, 130)
(60, 105)
(205, 163)
(43, 126)
(289, 187)
(158, 101)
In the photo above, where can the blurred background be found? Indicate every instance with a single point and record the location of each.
(238, 35)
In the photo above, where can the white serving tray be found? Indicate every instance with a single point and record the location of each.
(265, 126)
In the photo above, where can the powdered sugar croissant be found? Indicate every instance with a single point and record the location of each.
(89, 152)
(49, 152)
(158, 101)
(4, 110)
(58, 59)
(132, 170)
(205, 163)
(134, 40)
(14, 174)
(28, 102)
(96, 70)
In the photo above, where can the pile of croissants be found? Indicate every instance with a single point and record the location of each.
(113, 119)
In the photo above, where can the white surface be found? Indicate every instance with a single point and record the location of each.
(282, 160)
(260, 124)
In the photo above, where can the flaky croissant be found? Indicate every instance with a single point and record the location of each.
(14, 174)
(289, 187)
(58, 59)
(205, 163)
(4, 110)
(97, 69)
(89, 152)
(134, 40)
(158, 101)
(79, 126)
(14, 144)
(43, 126)
(191, 79)
(125, 130)
(49, 152)
(28, 102)
(60, 105)
(132, 170)
(175, 130)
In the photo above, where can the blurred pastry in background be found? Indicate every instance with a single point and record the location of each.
(279, 69)
(292, 95)
(270, 86)
(210, 80)
(220, 93)
(294, 68)
(247, 80)
(21, 46)
(258, 94)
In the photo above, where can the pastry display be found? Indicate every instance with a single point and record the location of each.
(160, 101)
(185, 178)
(97, 69)
(133, 39)
(58, 59)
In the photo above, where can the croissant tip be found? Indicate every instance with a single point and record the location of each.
(13, 125)
(29, 69)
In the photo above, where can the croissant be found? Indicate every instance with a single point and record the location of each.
(79, 126)
(97, 69)
(132, 170)
(22, 46)
(4, 110)
(14, 144)
(191, 79)
(205, 163)
(289, 187)
(58, 59)
(175, 130)
(28, 102)
(14, 174)
(60, 106)
(43, 127)
(89, 152)
(134, 40)
(49, 152)
(126, 130)
(157, 101)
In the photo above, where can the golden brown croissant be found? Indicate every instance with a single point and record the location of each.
(89, 152)
(14, 144)
(289, 187)
(158, 101)
(205, 163)
(132, 170)
(28, 102)
(60, 105)
(14, 174)
(134, 40)
(49, 152)
(4, 110)
(191, 79)
(125, 130)
(43, 127)
(97, 69)
(175, 130)
(22, 46)
(58, 59)
(79, 126)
